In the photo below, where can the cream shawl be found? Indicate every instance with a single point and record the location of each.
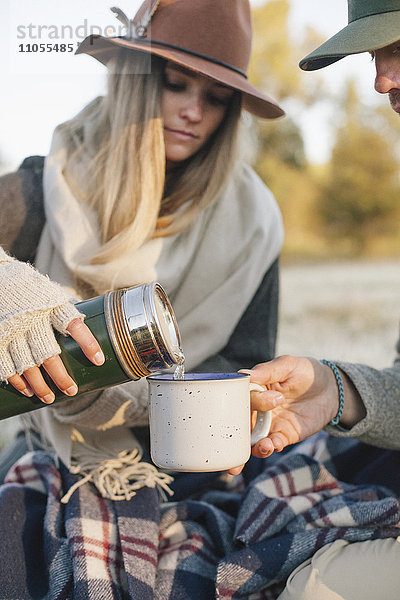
(210, 272)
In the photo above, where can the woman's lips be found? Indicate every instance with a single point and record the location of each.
(181, 134)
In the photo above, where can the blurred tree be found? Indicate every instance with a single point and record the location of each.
(280, 159)
(274, 62)
(360, 195)
(353, 199)
(274, 69)
(284, 140)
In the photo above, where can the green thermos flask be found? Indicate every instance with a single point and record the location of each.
(138, 333)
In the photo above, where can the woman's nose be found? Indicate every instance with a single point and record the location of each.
(193, 109)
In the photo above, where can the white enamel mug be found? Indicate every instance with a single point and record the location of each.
(202, 423)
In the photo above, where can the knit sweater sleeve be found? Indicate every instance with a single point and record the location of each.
(380, 393)
(125, 404)
(30, 307)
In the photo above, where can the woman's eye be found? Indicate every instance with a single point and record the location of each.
(218, 101)
(396, 50)
(174, 86)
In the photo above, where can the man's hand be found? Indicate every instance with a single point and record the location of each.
(309, 400)
(303, 396)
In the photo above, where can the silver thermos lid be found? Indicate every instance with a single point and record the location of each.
(143, 329)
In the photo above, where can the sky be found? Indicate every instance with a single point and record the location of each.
(44, 85)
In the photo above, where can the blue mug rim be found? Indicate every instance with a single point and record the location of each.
(198, 377)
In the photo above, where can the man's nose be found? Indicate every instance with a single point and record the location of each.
(387, 75)
(383, 84)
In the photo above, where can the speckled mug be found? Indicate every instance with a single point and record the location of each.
(202, 423)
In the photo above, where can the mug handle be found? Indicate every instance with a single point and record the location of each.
(263, 423)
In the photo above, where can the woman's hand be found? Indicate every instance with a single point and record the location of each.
(31, 382)
(31, 308)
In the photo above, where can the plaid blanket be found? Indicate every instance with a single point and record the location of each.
(220, 541)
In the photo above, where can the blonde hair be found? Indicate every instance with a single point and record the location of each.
(116, 160)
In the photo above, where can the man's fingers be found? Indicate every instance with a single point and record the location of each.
(263, 448)
(279, 441)
(267, 400)
(283, 433)
(86, 340)
(273, 371)
(275, 442)
(236, 470)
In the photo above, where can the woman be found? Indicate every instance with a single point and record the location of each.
(143, 184)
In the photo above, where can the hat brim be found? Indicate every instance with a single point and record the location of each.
(364, 35)
(260, 105)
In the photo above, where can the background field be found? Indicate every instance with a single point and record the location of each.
(348, 311)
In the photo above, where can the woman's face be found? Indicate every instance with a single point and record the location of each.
(192, 106)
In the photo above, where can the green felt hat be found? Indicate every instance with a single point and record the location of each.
(372, 24)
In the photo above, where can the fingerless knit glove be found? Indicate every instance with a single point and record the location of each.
(30, 305)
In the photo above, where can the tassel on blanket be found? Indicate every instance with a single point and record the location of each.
(120, 477)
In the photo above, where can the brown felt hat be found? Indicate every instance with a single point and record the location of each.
(211, 37)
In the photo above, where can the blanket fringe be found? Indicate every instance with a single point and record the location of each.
(119, 478)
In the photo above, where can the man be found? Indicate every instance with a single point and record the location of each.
(349, 400)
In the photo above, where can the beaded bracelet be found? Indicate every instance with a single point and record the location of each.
(339, 381)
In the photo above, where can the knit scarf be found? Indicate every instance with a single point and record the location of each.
(210, 272)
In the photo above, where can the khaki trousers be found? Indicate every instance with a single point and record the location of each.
(348, 571)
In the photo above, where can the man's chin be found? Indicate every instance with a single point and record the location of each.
(395, 102)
